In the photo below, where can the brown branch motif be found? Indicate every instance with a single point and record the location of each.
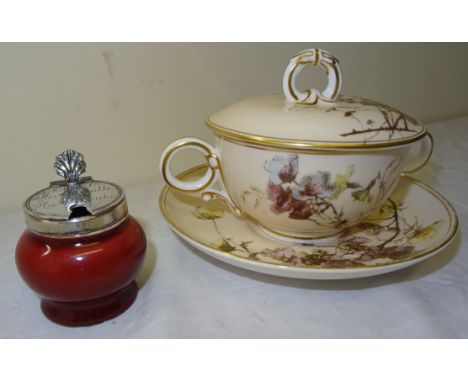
(383, 239)
(392, 121)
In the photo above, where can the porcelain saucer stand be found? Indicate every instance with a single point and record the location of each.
(401, 233)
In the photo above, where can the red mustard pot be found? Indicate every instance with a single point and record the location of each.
(81, 250)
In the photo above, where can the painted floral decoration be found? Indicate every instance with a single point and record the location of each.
(307, 197)
(383, 239)
(311, 196)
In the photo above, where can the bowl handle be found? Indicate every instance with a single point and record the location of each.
(310, 96)
(212, 178)
(425, 152)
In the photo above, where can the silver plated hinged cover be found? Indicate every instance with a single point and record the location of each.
(76, 205)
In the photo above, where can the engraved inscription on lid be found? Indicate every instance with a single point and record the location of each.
(58, 201)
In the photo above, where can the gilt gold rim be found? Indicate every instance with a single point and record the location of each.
(301, 145)
(451, 231)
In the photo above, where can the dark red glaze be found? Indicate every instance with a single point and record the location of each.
(81, 268)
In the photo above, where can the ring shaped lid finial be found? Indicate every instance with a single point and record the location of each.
(315, 57)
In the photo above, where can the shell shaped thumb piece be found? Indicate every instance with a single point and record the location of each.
(70, 165)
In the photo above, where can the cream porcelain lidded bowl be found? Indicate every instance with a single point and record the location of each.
(306, 165)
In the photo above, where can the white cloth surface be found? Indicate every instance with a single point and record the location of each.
(186, 294)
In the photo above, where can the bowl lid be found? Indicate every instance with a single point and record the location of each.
(312, 118)
(76, 205)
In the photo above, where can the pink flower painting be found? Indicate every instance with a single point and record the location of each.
(300, 198)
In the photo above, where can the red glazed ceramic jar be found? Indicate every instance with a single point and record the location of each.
(82, 250)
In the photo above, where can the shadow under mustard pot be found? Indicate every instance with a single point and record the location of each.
(306, 165)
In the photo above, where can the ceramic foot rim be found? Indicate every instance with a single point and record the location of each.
(297, 238)
(91, 312)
